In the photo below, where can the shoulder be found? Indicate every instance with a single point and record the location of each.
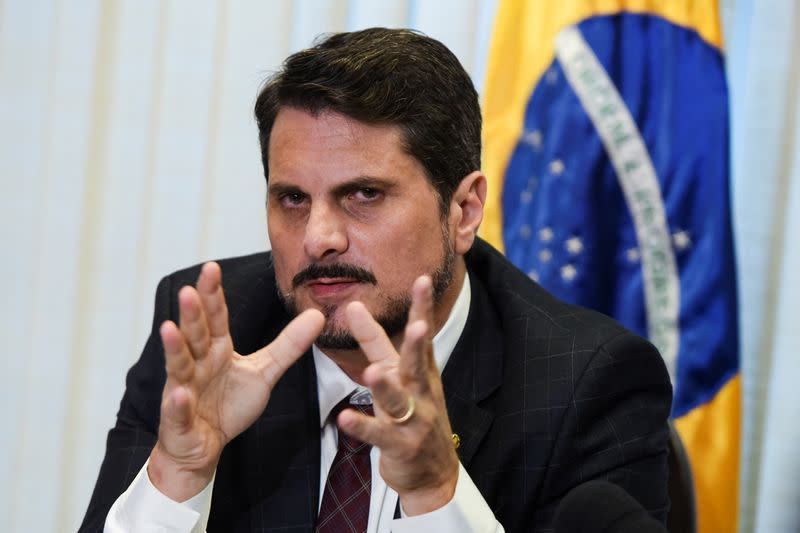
(569, 344)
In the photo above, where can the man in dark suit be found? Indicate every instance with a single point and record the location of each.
(371, 149)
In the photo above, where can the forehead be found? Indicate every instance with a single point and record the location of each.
(325, 124)
(334, 146)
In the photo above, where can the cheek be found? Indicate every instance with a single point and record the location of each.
(402, 248)
(283, 260)
(283, 240)
(282, 279)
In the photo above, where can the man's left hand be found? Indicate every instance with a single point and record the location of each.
(418, 458)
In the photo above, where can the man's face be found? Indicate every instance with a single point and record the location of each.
(351, 216)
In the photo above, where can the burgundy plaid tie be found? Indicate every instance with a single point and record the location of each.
(345, 502)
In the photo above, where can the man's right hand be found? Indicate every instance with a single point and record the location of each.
(212, 393)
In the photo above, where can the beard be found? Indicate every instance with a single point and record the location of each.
(394, 311)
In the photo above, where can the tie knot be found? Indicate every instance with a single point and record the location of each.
(365, 408)
(347, 443)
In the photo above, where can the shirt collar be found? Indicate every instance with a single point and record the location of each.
(333, 385)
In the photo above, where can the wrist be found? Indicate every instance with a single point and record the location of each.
(426, 500)
(176, 480)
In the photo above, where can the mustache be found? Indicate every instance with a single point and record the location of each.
(338, 270)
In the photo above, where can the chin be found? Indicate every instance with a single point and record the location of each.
(337, 340)
(335, 335)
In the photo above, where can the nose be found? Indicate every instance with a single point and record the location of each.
(326, 233)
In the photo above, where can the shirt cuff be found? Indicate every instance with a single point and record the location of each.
(144, 508)
(466, 512)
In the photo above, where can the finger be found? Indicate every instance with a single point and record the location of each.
(178, 359)
(289, 345)
(177, 408)
(416, 352)
(368, 333)
(388, 394)
(421, 300)
(365, 428)
(193, 323)
(209, 287)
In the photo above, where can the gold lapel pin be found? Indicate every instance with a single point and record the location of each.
(456, 440)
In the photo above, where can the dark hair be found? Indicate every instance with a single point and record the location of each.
(386, 76)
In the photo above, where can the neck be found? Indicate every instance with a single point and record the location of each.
(354, 362)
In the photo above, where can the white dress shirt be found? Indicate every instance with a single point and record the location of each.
(144, 508)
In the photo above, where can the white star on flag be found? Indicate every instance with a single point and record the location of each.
(556, 167)
(533, 139)
(568, 272)
(681, 240)
(574, 245)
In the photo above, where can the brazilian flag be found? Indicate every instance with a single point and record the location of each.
(606, 147)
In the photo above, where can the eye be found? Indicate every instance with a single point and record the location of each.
(366, 194)
(292, 199)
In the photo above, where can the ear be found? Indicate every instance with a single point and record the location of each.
(466, 211)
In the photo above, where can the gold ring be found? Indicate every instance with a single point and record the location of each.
(409, 412)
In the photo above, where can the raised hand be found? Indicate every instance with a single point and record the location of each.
(418, 458)
(212, 393)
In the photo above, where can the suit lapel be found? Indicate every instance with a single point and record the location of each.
(291, 433)
(473, 372)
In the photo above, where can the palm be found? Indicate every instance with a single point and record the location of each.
(212, 393)
(235, 395)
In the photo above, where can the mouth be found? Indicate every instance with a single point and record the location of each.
(334, 284)
(325, 289)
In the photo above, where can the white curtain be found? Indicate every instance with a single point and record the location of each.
(127, 150)
(763, 40)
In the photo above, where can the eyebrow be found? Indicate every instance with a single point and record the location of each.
(278, 189)
(363, 182)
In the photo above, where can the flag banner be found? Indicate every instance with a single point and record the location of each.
(606, 147)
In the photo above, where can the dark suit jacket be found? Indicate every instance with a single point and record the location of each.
(544, 396)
